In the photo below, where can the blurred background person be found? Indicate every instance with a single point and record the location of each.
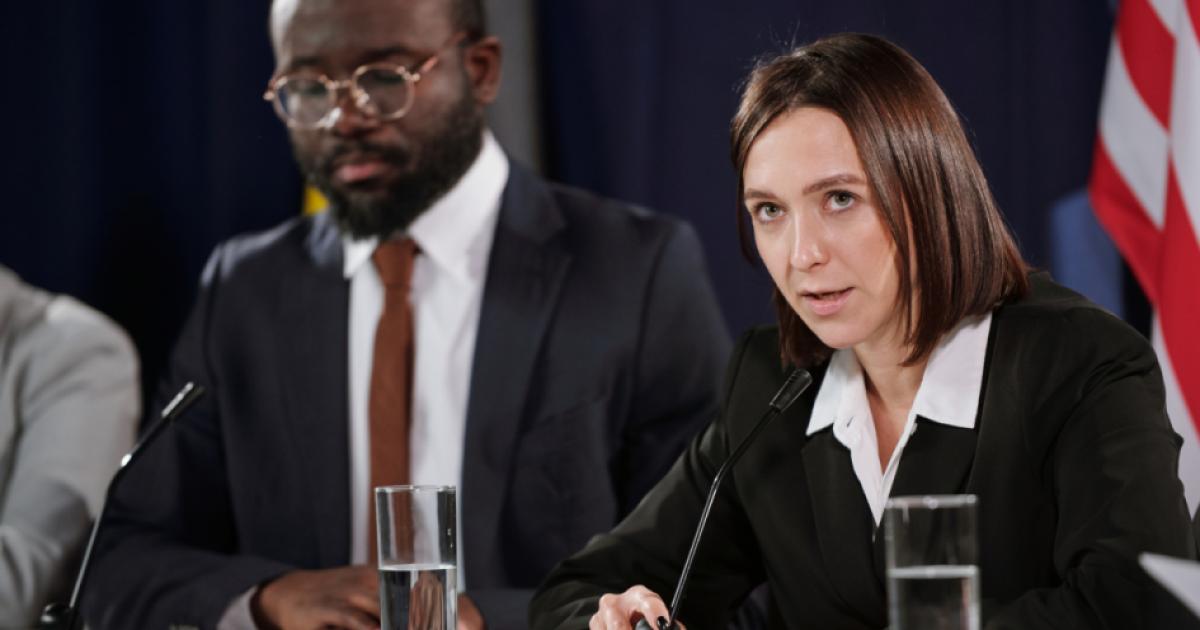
(69, 404)
(452, 319)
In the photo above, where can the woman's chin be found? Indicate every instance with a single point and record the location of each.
(835, 335)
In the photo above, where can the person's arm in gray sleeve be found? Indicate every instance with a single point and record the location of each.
(69, 393)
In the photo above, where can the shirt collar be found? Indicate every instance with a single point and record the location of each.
(842, 377)
(450, 233)
(949, 391)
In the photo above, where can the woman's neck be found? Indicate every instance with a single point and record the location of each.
(886, 375)
(892, 382)
(891, 388)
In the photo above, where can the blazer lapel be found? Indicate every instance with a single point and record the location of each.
(843, 522)
(936, 460)
(525, 273)
(315, 355)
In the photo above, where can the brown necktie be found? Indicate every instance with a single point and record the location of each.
(391, 374)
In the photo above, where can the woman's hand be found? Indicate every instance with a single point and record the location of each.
(621, 612)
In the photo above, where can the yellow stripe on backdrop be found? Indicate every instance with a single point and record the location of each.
(314, 201)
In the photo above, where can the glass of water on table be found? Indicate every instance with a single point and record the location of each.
(932, 562)
(416, 538)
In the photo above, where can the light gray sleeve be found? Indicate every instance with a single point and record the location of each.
(238, 615)
(69, 402)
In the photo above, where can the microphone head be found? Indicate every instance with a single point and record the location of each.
(796, 383)
(55, 616)
(182, 400)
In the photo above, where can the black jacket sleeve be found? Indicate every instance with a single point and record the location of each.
(1112, 463)
(650, 545)
(165, 555)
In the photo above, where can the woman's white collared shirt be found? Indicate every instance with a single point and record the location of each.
(949, 394)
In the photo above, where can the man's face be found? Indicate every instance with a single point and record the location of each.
(380, 175)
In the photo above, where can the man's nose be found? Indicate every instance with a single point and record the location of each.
(349, 116)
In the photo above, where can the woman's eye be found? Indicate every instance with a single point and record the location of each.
(840, 199)
(767, 212)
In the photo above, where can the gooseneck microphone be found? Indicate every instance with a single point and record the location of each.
(796, 383)
(59, 616)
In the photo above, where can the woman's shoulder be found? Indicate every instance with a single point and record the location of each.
(758, 343)
(1056, 360)
(1053, 318)
(756, 359)
(1054, 353)
(757, 370)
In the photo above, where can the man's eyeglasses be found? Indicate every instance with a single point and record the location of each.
(382, 91)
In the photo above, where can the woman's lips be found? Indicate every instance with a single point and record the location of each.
(826, 304)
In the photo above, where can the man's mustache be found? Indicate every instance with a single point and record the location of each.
(354, 149)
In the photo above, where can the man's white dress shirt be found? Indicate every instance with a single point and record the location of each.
(454, 237)
(949, 394)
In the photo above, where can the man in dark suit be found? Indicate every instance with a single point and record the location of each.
(547, 351)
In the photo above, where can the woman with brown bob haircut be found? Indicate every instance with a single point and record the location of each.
(899, 287)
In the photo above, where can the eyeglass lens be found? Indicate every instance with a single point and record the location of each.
(307, 101)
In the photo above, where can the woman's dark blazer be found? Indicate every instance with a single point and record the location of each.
(1073, 460)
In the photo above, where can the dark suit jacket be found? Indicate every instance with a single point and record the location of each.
(598, 357)
(1072, 457)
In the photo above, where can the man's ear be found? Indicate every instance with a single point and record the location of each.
(482, 61)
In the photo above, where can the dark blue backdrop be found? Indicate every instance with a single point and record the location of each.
(138, 139)
(641, 93)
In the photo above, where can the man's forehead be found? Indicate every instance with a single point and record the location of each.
(315, 28)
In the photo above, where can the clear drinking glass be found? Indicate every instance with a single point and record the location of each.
(932, 563)
(418, 577)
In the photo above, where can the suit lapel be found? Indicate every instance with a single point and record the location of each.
(936, 460)
(314, 354)
(525, 273)
(843, 522)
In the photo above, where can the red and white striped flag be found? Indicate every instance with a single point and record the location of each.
(1145, 188)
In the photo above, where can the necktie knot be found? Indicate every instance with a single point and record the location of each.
(394, 260)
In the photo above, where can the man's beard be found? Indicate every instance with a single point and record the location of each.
(446, 152)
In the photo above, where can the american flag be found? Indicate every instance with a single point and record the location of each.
(1145, 188)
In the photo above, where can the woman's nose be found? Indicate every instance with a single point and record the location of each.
(808, 243)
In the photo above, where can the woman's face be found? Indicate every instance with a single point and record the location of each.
(819, 232)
